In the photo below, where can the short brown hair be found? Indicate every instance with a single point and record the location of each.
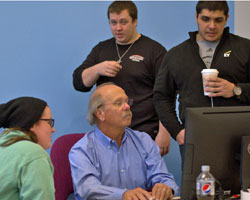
(212, 6)
(119, 6)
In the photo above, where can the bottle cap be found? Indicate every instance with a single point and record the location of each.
(205, 168)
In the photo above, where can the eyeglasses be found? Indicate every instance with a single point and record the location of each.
(51, 122)
(120, 103)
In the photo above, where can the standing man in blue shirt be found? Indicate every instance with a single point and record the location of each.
(113, 161)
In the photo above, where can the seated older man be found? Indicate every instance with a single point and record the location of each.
(114, 162)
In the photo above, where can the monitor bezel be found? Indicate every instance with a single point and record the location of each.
(213, 121)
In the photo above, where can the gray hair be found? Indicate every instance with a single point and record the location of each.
(95, 102)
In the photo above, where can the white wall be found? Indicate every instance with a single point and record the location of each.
(242, 18)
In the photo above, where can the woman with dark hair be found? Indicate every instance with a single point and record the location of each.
(26, 170)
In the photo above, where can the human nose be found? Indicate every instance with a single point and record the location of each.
(211, 24)
(118, 26)
(126, 106)
(53, 130)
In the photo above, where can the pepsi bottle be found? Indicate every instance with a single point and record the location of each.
(205, 184)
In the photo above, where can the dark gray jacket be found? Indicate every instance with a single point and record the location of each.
(180, 73)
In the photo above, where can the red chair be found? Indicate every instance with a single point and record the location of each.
(59, 157)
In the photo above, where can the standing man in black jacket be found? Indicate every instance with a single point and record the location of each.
(131, 61)
(212, 46)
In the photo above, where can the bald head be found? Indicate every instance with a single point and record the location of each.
(107, 90)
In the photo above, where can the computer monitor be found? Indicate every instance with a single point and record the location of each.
(213, 137)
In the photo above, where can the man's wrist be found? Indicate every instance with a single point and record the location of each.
(237, 91)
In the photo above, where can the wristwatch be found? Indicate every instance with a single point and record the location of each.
(237, 91)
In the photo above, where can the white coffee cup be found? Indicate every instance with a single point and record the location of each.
(244, 195)
(208, 73)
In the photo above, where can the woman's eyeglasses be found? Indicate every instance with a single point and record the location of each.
(51, 122)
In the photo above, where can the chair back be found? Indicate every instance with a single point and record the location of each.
(59, 157)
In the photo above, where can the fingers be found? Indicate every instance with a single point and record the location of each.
(111, 72)
(116, 65)
(109, 68)
(162, 192)
(164, 150)
(219, 87)
(137, 194)
(180, 137)
(163, 140)
(212, 82)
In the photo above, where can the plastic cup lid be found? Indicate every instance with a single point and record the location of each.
(209, 71)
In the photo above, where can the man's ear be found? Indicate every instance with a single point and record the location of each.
(227, 17)
(135, 22)
(100, 114)
(196, 17)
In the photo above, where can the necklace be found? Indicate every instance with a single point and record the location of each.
(118, 53)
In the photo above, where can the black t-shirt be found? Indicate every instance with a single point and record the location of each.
(140, 67)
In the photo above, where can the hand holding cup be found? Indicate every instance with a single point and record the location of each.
(207, 73)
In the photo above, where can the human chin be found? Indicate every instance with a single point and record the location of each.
(210, 38)
(45, 144)
(120, 40)
(128, 122)
(118, 36)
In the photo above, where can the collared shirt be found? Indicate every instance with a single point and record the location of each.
(102, 170)
(140, 67)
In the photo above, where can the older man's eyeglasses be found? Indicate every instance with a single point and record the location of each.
(120, 103)
(51, 122)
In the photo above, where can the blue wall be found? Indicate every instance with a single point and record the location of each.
(41, 43)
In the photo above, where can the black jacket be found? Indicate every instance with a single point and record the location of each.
(180, 74)
(137, 77)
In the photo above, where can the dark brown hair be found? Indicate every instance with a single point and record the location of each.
(119, 6)
(212, 6)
